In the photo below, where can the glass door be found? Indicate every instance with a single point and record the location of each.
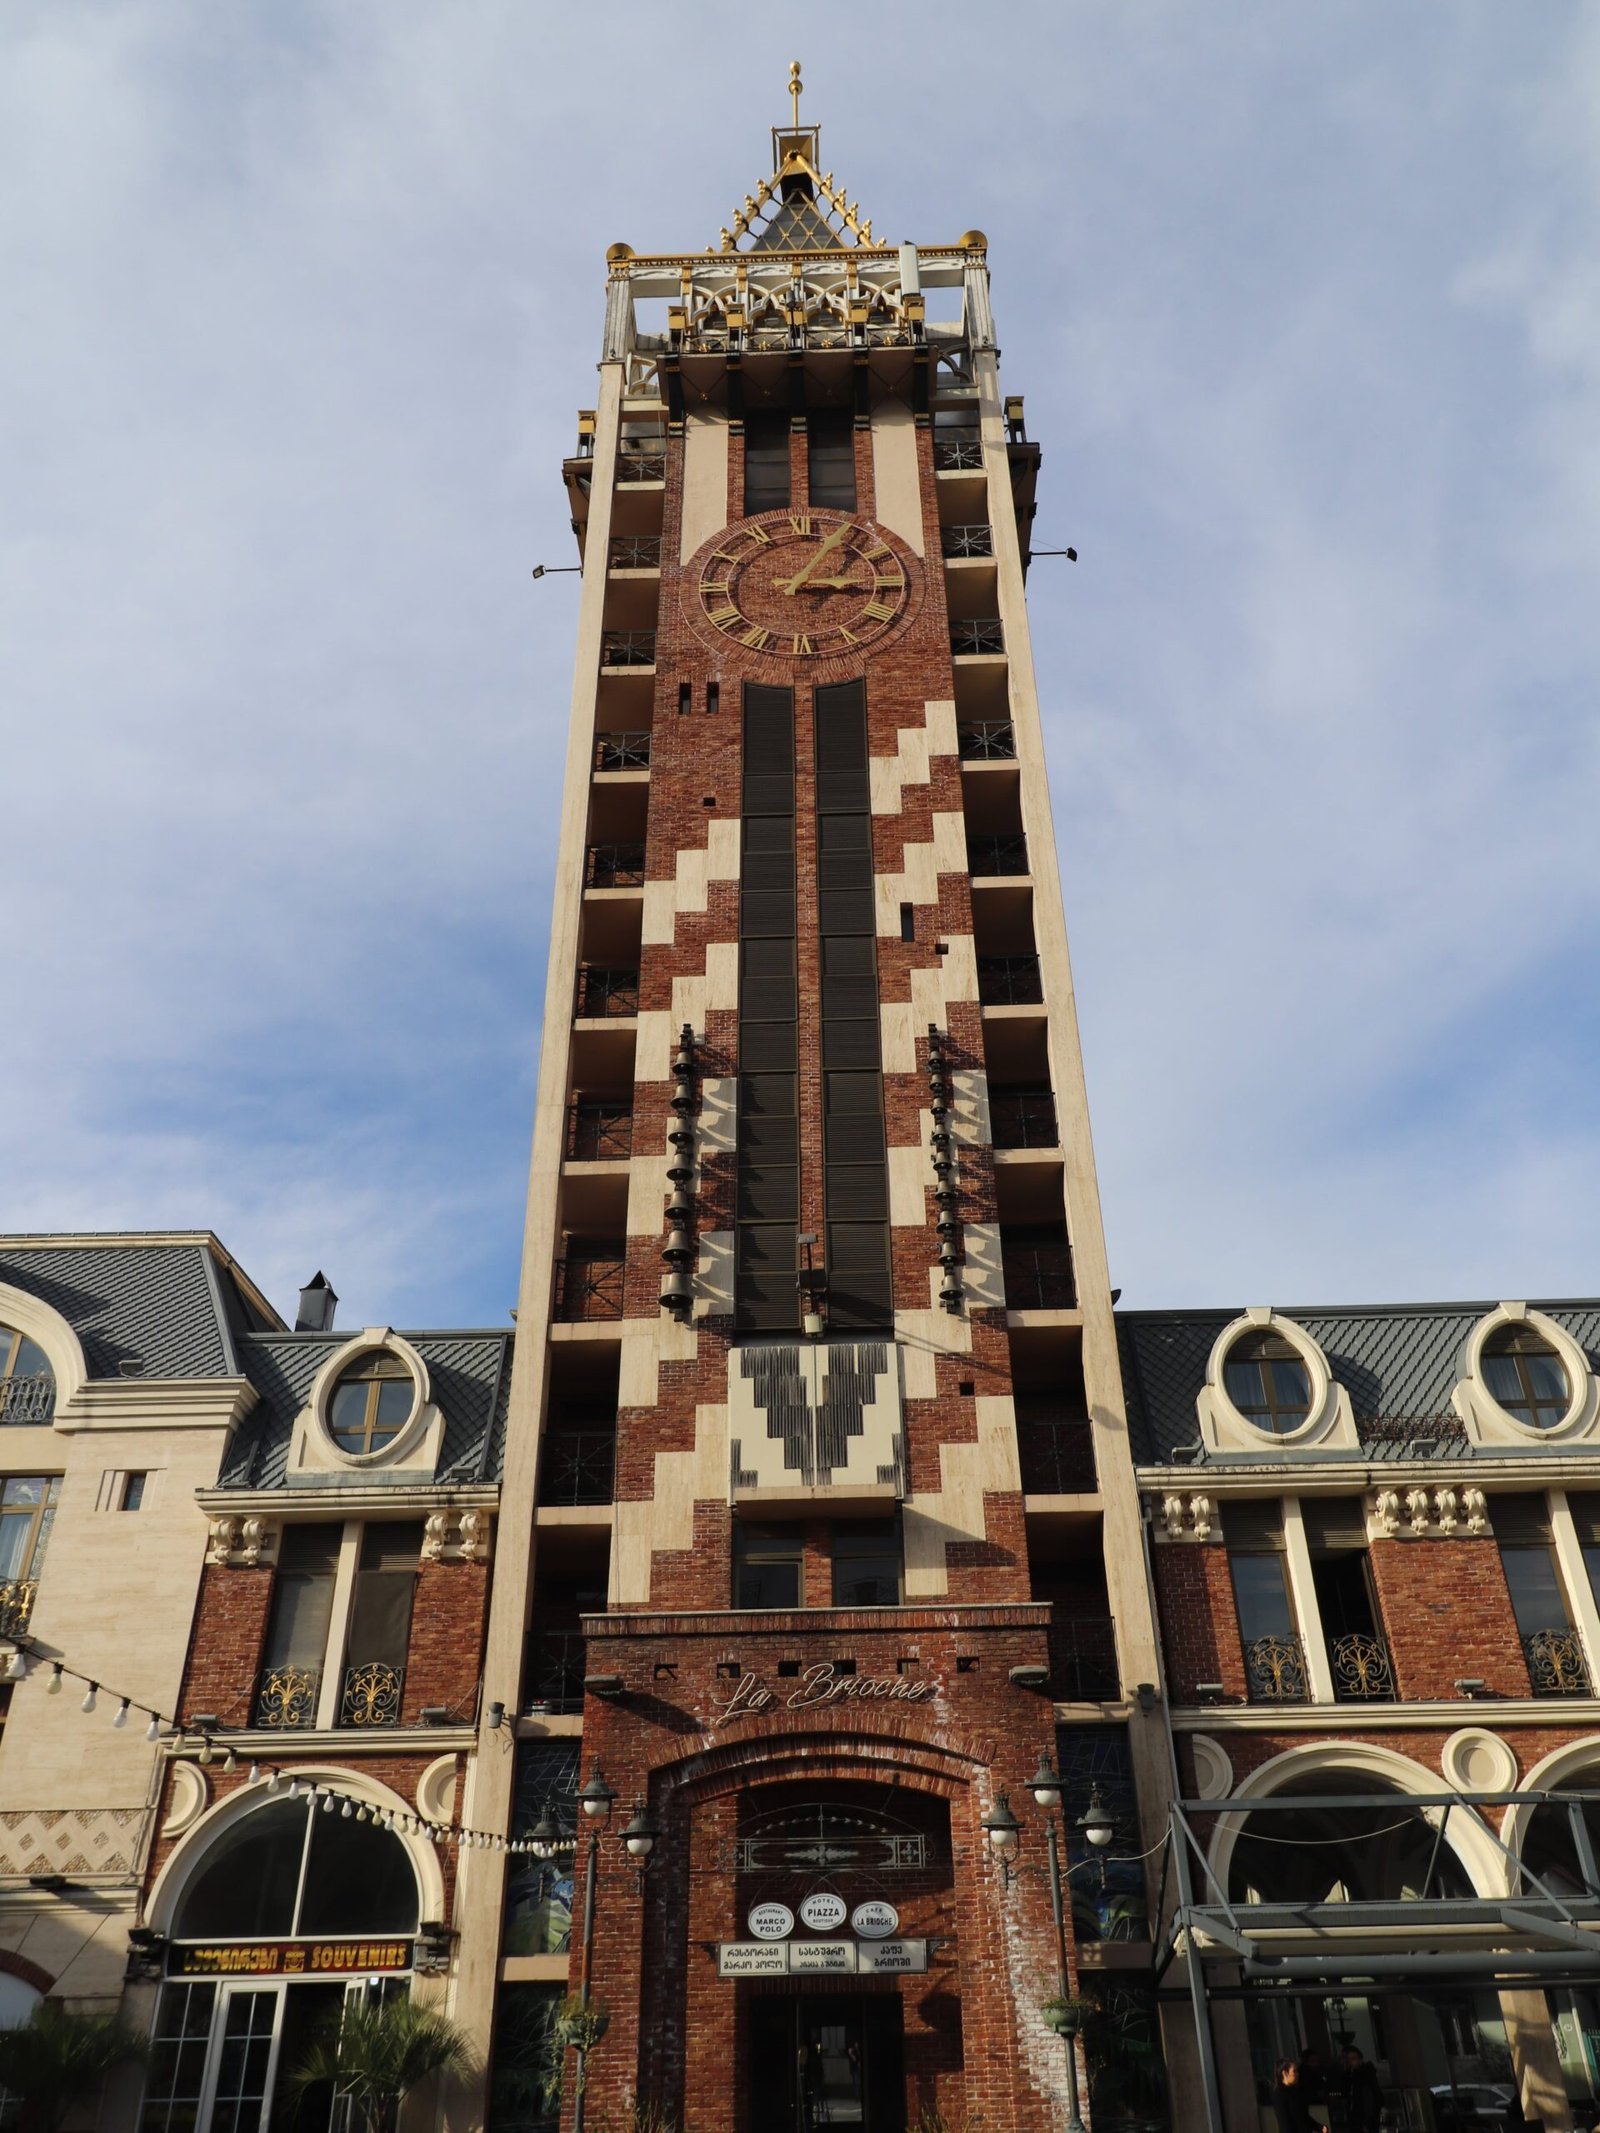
(244, 2059)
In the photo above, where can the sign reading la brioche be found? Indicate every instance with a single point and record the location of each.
(773, 1954)
(820, 1687)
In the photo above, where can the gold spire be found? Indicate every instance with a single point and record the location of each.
(807, 213)
(796, 89)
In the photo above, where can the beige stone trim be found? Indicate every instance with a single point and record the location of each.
(896, 482)
(705, 480)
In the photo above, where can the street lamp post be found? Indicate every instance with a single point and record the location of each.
(1098, 1829)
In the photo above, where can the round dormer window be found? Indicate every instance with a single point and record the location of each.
(1268, 1383)
(371, 1403)
(1526, 1377)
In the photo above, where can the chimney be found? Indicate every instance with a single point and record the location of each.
(317, 1306)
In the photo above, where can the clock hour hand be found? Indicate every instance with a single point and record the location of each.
(827, 548)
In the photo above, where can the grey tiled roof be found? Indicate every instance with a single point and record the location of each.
(1394, 1360)
(469, 1373)
(171, 1307)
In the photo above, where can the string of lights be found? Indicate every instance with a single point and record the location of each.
(162, 1728)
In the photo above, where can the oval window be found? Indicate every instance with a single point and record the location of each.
(371, 1402)
(1268, 1382)
(1526, 1376)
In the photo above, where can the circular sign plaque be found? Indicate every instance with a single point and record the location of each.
(771, 1921)
(875, 1921)
(824, 1912)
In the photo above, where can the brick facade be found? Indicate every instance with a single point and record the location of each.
(230, 1629)
(1447, 1615)
(1199, 1622)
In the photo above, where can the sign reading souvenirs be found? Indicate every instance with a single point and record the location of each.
(771, 1921)
(818, 1687)
(757, 1958)
(824, 1911)
(288, 1958)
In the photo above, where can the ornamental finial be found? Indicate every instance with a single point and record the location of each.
(796, 87)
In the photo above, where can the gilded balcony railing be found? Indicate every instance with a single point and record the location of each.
(1361, 1670)
(627, 648)
(16, 1605)
(958, 455)
(973, 639)
(599, 1132)
(622, 751)
(956, 541)
(1023, 1118)
(614, 866)
(635, 551)
(28, 1399)
(1009, 981)
(1275, 1668)
(987, 740)
(286, 1698)
(997, 853)
(372, 1695)
(1556, 1665)
(641, 462)
(603, 990)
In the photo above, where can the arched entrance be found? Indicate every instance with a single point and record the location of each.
(277, 1912)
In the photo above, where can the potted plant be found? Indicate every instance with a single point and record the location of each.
(58, 2058)
(377, 2053)
(1064, 2014)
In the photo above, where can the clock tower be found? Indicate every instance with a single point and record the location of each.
(819, 1563)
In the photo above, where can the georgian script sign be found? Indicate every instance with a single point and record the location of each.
(287, 1958)
(744, 1958)
(818, 1687)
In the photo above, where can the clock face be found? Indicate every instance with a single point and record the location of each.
(804, 585)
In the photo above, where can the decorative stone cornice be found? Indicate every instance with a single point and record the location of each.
(1185, 1518)
(456, 1537)
(1427, 1514)
(157, 1403)
(237, 1543)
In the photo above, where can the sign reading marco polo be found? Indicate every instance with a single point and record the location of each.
(818, 1688)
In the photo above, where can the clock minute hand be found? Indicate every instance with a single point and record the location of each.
(827, 548)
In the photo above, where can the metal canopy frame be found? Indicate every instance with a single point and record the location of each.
(1533, 1939)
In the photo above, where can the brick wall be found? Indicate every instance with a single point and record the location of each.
(230, 1628)
(1199, 1622)
(1447, 1615)
(445, 1660)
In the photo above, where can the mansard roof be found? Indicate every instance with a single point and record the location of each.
(162, 1305)
(1396, 1361)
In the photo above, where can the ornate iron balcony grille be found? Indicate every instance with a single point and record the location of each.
(1275, 1668)
(372, 1695)
(607, 992)
(958, 455)
(614, 866)
(635, 551)
(1083, 1659)
(967, 540)
(29, 1399)
(578, 1466)
(599, 1133)
(627, 648)
(286, 1698)
(1056, 1450)
(16, 1605)
(1037, 1272)
(622, 751)
(1023, 1118)
(1412, 1437)
(553, 1669)
(641, 462)
(997, 854)
(1361, 1670)
(987, 740)
(967, 639)
(589, 1284)
(1009, 981)
(1556, 1665)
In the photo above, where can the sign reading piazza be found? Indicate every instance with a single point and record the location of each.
(818, 1687)
(288, 1958)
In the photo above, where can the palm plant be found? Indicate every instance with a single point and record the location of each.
(59, 2058)
(377, 2053)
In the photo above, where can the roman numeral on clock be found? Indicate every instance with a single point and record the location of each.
(755, 638)
(724, 616)
(800, 525)
(801, 644)
(878, 611)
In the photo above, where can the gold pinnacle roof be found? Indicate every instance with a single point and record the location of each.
(799, 208)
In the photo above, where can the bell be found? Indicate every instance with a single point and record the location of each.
(679, 1211)
(949, 1257)
(677, 1292)
(947, 1196)
(681, 1135)
(678, 1250)
(947, 1225)
(950, 1295)
(680, 1173)
(683, 1060)
(683, 1100)
(939, 1137)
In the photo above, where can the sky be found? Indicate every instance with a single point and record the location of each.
(301, 298)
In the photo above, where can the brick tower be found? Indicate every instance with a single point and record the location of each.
(819, 1528)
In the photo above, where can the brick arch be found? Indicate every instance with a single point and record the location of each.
(18, 1966)
(945, 1759)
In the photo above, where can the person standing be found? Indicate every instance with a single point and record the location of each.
(1359, 2092)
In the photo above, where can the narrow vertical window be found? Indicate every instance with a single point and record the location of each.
(832, 455)
(767, 1211)
(379, 1637)
(766, 462)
